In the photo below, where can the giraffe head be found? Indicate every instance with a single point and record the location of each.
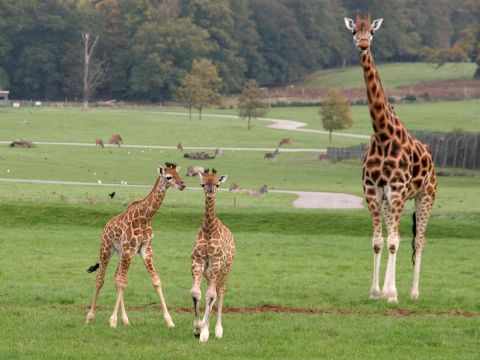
(210, 182)
(362, 30)
(171, 175)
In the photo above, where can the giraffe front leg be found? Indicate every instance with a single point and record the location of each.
(218, 326)
(196, 293)
(423, 207)
(147, 255)
(393, 213)
(210, 298)
(374, 205)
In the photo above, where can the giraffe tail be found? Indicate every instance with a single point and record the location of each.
(414, 231)
(93, 268)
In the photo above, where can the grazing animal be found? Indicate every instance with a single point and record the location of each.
(22, 143)
(180, 147)
(115, 139)
(198, 156)
(218, 152)
(397, 167)
(195, 170)
(212, 255)
(263, 190)
(130, 233)
(99, 142)
(271, 155)
(285, 141)
(234, 187)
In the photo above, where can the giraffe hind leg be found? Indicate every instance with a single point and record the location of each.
(105, 256)
(423, 207)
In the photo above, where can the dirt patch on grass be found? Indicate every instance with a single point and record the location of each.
(270, 308)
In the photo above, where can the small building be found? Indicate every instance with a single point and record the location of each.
(4, 98)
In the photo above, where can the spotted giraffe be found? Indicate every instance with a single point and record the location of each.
(212, 255)
(397, 167)
(130, 233)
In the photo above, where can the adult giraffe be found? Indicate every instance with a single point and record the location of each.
(397, 167)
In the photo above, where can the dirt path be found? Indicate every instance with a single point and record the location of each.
(174, 147)
(281, 124)
(268, 308)
(305, 200)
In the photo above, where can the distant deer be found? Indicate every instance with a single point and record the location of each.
(218, 152)
(115, 139)
(271, 155)
(99, 142)
(194, 171)
(180, 147)
(285, 141)
(234, 187)
(263, 190)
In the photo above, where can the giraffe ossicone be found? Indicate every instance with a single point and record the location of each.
(397, 167)
(212, 256)
(130, 233)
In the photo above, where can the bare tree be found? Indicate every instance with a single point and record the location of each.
(92, 75)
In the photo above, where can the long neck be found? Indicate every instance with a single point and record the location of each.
(380, 112)
(155, 198)
(210, 216)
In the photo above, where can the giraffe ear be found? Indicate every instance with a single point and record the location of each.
(200, 176)
(178, 169)
(349, 23)
(160, 170)
(222, 179)
(376, 24)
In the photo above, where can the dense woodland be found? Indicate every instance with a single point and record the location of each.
(146, 47)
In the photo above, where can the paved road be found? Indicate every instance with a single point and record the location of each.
(305, 200)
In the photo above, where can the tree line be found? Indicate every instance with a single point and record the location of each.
(146, 48)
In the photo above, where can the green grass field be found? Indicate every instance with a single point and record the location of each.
(312, 259)
(393, 75)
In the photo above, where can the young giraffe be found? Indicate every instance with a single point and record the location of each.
(397, 167)
(212, 255)
(129, 233)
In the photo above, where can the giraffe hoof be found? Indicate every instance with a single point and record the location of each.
(113, 323)
(90, 317)
(218, 332)
(414, 295)
(204, 335)
(374, 294)
(392, 300)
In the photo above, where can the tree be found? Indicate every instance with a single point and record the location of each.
(209, 84)
(250, 103)
(92, 76)
(335, 112)
(188, 92)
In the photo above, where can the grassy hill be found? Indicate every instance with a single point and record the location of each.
(393, 75)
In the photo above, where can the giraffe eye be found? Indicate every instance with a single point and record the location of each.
(354, 32)
(203, 185)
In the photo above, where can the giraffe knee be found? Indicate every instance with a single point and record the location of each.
(196, 293)
(121, 282)
(392, 248)
(156, 281)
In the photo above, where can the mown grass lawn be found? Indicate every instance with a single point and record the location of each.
(393, 74)
(313, 259)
